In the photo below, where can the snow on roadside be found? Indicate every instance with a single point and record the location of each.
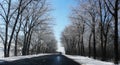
(20, 57)
(88, 61)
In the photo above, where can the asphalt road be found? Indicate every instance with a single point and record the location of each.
(43, 60)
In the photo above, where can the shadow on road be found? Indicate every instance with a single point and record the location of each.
(43, 60)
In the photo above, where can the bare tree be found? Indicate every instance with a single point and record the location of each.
(113, 7)
(43, 41)
(69, 40)
(92, 25)
(7, 15)
(105, 20)
(79, 23)
(37, 16)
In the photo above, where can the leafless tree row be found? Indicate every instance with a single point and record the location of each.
(21, 22)
(94, 30)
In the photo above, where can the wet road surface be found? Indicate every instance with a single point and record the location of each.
(43, 60)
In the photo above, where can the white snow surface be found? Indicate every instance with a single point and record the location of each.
(88, 61)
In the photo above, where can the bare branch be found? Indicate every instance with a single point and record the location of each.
(3, 17)
(108, 8)
(3, 9)
(111, 4)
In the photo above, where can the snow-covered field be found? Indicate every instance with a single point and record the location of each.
(88, 61)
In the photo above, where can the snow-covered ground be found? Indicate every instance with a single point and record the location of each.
(88, 61)
(80, 59)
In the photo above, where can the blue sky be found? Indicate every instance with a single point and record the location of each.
(61, 13)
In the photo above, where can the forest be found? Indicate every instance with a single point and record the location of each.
(94, 30)
(26, 27)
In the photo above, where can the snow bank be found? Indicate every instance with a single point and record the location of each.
(88, 61)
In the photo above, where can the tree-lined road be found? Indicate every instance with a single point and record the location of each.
(43, 60)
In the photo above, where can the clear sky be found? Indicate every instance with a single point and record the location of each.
(61, 13)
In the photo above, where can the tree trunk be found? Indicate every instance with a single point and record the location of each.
(94, 42)
(116, 34)
(16, 42)
(24, 44)
(82, 41)
(6, 39)
(29, 42)
(79, 50)
(101, 38)
(90, 44)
